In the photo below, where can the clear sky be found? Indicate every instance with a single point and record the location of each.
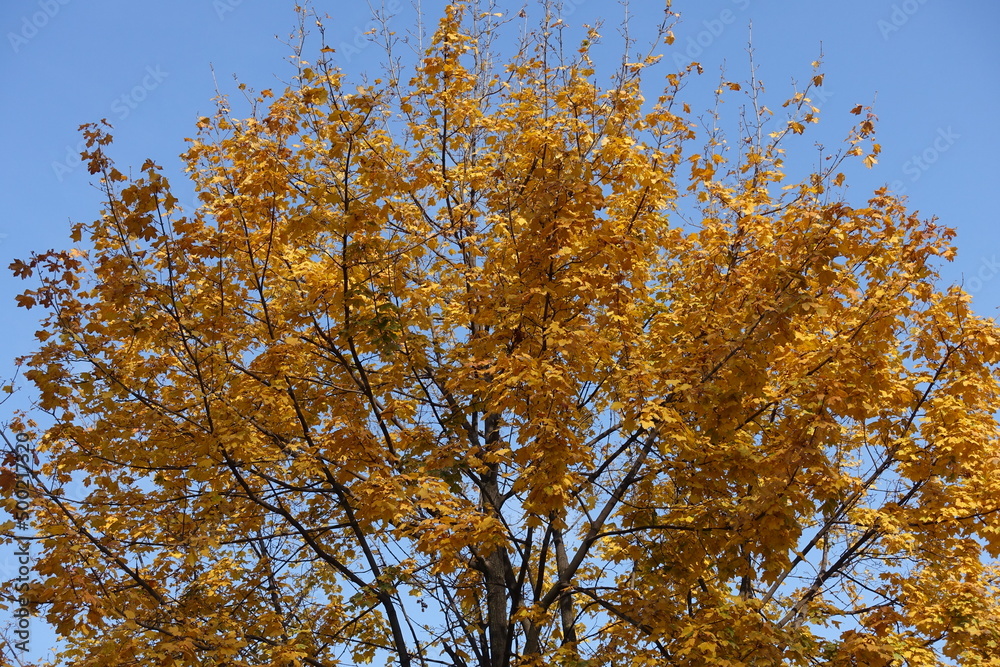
(930, 68)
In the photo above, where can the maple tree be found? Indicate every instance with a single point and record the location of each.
(499, 368)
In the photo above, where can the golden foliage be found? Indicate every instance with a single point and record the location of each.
(496, 368)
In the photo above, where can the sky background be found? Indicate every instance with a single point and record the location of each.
(929, 68)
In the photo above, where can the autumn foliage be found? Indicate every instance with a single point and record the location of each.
(505, 364)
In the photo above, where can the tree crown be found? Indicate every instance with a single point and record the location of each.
(495, 367)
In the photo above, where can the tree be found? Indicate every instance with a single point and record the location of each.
(495, 368)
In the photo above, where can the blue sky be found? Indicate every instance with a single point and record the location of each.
(930, 68)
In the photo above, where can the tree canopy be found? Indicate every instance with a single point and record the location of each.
(507, 364)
